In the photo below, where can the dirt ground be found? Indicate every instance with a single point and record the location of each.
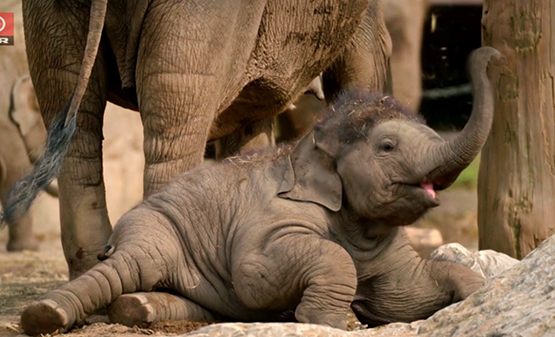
(26, 276)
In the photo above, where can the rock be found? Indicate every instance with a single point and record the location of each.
(266, 330)
(518, 302)
(488, 263)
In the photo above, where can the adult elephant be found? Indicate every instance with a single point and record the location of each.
(196, 70)
(404, 20)
(22, 135)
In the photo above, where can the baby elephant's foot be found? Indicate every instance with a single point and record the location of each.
(337, 321)
(132, 310)
(143, 309)
(44, 317)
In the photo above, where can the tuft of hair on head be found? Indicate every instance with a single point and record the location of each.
(349, 118)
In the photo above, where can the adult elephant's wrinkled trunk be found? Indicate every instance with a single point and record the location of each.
(451, 157)
(70, 304)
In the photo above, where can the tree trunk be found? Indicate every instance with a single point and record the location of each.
(516, 186)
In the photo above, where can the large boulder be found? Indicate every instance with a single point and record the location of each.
(518, 302)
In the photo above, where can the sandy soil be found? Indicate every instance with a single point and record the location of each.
(26, 276)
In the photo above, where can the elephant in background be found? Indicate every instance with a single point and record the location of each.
(22, 132)
(196, 70)
(22, 135)
(302, 232)
(404, 20)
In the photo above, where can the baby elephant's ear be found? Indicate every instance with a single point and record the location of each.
(316, 179)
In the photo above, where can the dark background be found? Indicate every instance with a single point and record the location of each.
(446, 97)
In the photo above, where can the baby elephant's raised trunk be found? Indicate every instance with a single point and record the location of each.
(453, 156)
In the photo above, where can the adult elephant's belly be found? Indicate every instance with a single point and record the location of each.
(257, 101)
(297, 40)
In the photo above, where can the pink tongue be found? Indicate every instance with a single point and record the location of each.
(429, 187)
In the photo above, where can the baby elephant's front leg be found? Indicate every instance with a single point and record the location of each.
(410, 289)
(458, 279)
(330, 288)
(144, 308)
(319, 270)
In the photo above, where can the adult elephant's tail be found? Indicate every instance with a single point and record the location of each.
(61, 131)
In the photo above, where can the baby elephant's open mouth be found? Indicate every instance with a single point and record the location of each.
(430, 197)
(429, 187)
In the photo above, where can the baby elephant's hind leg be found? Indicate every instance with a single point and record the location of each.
(144, 308)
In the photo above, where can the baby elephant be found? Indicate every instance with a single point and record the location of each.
(307, 231)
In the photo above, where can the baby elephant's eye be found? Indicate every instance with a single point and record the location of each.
(387, 146)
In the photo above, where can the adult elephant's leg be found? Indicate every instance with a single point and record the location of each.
(20, 233)
(364, 64)
(55, 33)
(254, 136)
(21, 236)
(144, 308)
(13, 162)
(404, 24)
(182, 59)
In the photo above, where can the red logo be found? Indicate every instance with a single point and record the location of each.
(6, 24)
(6, 29)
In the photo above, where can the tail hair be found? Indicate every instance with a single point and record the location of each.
(47, 167)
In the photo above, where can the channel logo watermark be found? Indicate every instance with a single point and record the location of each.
(6, 29)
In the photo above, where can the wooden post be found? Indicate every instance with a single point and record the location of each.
(516, 185)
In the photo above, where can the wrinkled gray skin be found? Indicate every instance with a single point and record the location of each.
(22, 135)
(196, 70)
(306, 231)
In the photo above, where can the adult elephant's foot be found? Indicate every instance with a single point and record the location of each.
(145, 308)
(19, 245)
(44, 317)
(21, 236)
